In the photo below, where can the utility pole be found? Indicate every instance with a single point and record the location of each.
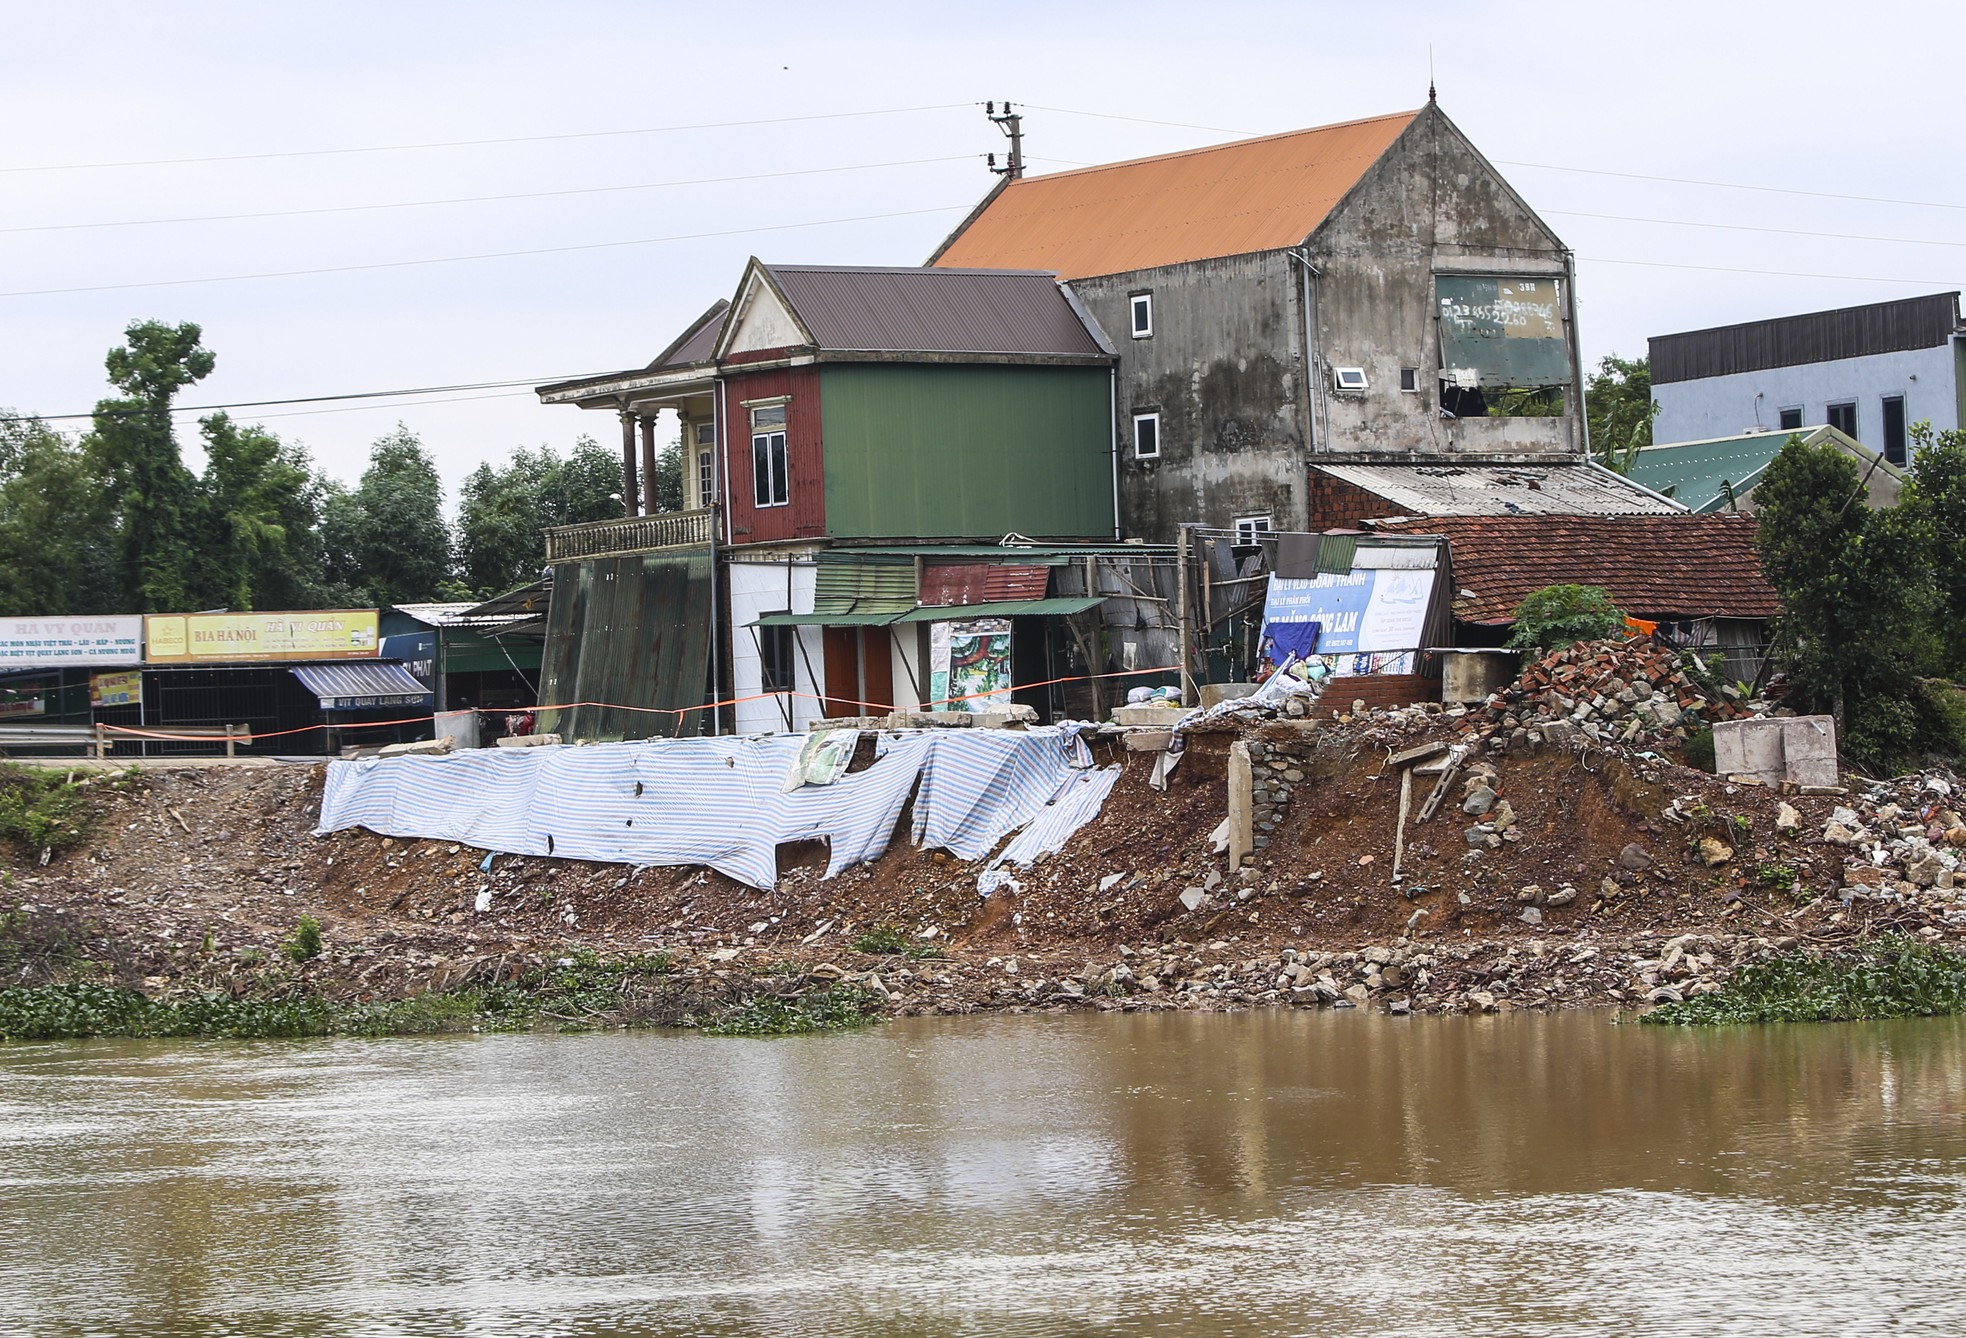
(1185, 617)
(1012, 124)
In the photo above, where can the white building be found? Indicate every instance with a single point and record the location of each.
(1871, 372)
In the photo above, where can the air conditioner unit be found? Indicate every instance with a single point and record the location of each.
(1348, 378)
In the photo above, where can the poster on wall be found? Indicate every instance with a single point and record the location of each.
(228, 638)
(20, 708)
(119, 689)
(969, 665)
(52, 643)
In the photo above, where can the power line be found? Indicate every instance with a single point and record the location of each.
(1745, 227)
(1771, 273)
(476, 143)
(311, 399)
(1137, 120)
(1735, 185)
(486, 255)
(489, 199)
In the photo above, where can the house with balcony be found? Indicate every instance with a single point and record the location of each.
(848, 431)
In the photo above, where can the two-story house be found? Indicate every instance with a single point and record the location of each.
(1291, 307)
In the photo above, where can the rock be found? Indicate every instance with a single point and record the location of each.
(1845, 817)
(1481, 1001)
(1193, 897)
(1926, 872)
(1787, 819)
(1479, 801)
(1110, 881)
(1563, 896)
(1635, 857)
(1358, 994)
(1714, 852)
(1503, 816)
(1531, 915)
(1840, 834)
(1532, 895)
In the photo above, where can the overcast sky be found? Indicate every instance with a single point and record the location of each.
(636, 221)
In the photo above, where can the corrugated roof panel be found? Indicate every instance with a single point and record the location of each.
(981, 582)
(1816, 336)
(916, 310)
(1562, 488)
(1017, 608)
(1254, 195)
(353, 687)
(863, 583)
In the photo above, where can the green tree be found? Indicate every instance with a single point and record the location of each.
(57, 549)
(387, 540)
(1619, 407)
(501, 511)
(669, 477)
(1858, 598)
(260, 509)
(136, 447)
(1557, 615)
(1936, 495)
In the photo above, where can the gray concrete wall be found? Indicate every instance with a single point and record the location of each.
(1724, 406)
(1433, 203)
(1224, 370)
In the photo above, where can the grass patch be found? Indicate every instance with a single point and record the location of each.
(887, 941)
(40, 810)
(74, 1011)
(1890, 977)
(830, 1009)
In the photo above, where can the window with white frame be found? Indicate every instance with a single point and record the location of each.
(706, 478)
(770, 478)
(1251, 529)
(1142, 307)
(1146, 436)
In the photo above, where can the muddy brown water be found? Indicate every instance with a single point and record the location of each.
(1244, 1174)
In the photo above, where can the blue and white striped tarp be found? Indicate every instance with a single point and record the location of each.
(1076, 804)
(717, 802)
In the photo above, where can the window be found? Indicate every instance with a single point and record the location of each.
(1791, 419)
(1409, 380)
(1250, 529)
(1146, 436)
(706, 434)
(706, 478)
(776, 671)
(1348, 378)
(1894, 429)
(769, 467)
(1142, 305)
(1843, 417)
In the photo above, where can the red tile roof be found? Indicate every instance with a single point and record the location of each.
(1656, 567)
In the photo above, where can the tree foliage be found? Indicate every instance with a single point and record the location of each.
(1936, 496)
(1860, 603)
(1557, 615)
(501, 511)
(1619, 408)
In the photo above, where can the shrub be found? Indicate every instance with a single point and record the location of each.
(1893, 976)
(40, 810)
(305, 945)
(1557, 615)
(823, 1010)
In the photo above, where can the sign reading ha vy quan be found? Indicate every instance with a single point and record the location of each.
(54, 643)
(229, 638)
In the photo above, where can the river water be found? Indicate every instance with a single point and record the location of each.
(1286, 1173)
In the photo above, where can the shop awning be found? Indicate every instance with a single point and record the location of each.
(357, 687)
(1015, 608)
(825, 620)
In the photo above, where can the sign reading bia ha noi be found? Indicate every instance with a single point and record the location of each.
(230, 638)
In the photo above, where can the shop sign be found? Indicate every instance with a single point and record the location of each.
(231, 638)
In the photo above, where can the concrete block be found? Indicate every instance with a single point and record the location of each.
(420, 747)
(530, 741)
(1146, 715)
(1799, 749)
(1242, 807)
(1148, 740)
(1214, 694)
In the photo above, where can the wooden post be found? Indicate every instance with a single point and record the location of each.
(102, 742)
(1242, 807)
(228, 740)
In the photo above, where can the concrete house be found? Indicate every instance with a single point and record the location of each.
(1373, 291)
(1870, 372)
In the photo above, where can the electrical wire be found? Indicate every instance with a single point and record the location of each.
(485, 255)
(485, 199)
(1744, 227)
(477, 143)
(321, 399)
(1733, 185)
(1770, 273)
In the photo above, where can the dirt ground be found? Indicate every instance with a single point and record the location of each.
(1598, 895)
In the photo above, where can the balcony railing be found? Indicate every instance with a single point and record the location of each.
(630, 534)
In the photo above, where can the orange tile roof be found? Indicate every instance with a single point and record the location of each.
(1253, 195)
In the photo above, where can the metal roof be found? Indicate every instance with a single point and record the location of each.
(916, 310)
(1566, 487)
(695, 344)
(348, 687)
(1692, 472)
(1254, 195)
(1012, 608)
(1816, 336)
(435, 615)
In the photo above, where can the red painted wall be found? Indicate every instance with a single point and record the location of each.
(805, 515)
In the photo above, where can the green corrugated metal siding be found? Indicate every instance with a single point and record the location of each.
(864, 583)
(1014, 608)
(468, 652)
(918, 451)
(1691, 472)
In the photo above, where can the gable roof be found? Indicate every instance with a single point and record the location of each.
(1232, 199)
(695, 344)
(1693, 472)
(1449, 487)
(1667, 567)
(867, 309)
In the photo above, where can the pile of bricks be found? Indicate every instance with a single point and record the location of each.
(1629, 691)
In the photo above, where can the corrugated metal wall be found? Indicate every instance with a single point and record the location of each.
(1791, 341)
(628, 632)
(920, 451)
(804, 516)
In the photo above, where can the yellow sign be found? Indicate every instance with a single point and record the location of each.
(123, 689)
(227, 638)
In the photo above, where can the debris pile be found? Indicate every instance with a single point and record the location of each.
(1904, 844)
(1632, 691)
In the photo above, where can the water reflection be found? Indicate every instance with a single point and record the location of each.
(1249, 1174)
